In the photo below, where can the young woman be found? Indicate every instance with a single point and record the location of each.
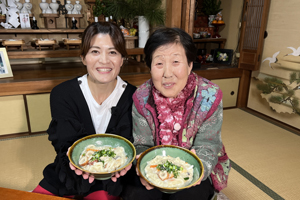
(98, 102)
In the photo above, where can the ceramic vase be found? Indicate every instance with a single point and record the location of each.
(28, 6)
(44, 5)
(69, 7)
(74, 11)
(143, 31)
(48, 10)
(19, 5)
(78, 7)
(210, 20)
(24, 10)
(54, 6)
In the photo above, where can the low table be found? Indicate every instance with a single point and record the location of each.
(14, 43)
(72, 42)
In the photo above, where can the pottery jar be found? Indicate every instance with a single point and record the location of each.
(54, 6)
(48, 10)
(28, 6)
(78, 7)
(69, 7)
(44, 5)
(19, 5)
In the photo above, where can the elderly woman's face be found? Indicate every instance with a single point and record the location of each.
(170, 69)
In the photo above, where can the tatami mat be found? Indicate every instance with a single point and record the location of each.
(23, 160)
(240, 188)
(267, 152)
(265, 159)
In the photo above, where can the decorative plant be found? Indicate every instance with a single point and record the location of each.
(129, 9)
(211, 7)
(98, 8)
(284, 93)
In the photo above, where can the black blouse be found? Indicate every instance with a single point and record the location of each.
(71, 120)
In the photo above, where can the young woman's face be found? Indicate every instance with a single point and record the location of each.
(170, 69)
(103, 61)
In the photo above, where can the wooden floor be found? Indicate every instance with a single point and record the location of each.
(265, 159)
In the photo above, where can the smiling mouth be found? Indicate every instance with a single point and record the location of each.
(168, 85)
(104, 70)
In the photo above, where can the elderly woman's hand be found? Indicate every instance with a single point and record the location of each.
(80, 172)
(120, 173)
(198, 183)
(143, 181)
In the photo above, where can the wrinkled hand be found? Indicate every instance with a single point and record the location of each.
(198, 183)
(143, 181)
(120, 173)
(79, 172)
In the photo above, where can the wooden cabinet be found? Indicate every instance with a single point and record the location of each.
(230, 89)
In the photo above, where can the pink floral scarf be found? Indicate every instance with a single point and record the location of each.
(170, 112)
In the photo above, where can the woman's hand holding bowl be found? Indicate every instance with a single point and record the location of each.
(198, 183)
(120, 173)
(145, 183)
(80, 172)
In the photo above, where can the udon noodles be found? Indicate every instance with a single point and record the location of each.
(102, 159)
(169, 172)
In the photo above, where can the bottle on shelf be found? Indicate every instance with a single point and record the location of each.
(48, 10)
(69, 7)
(28, 6)
(44, 5)
(78, 7)
(19, 5)
(54, 6)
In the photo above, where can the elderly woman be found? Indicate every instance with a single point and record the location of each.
(178, 107)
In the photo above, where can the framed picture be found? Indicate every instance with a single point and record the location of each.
(5, 69)
(223, 56)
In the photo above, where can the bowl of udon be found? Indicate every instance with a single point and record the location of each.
(102, 154)
(170, 168)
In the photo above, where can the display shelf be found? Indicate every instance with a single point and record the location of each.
(43, 54)
(41, 78)
(60, 53)
(220, 41)
(40, 31)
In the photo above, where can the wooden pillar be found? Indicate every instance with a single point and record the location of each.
(180, 14)
(173, 13)
(244, 87)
